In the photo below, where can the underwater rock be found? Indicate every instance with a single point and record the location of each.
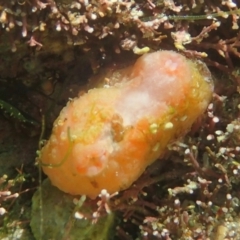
(107, 137)
(58, 221)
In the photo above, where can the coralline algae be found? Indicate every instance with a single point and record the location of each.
(106, 138)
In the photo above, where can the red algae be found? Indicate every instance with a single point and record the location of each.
(106, 138)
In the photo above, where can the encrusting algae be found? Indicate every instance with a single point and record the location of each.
(107, 137)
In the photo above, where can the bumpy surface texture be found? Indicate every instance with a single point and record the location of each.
(106, 138)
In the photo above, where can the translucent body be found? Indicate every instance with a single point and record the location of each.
(106, 138)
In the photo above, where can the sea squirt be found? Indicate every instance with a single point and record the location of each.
(107, 137)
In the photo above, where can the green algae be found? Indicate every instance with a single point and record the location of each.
(15, 113)
(57, 221)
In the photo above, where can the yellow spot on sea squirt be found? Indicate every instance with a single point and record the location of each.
(120, 129)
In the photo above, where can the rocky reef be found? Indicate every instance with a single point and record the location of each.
(50, 48)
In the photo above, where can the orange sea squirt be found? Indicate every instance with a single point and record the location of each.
(107, 137)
